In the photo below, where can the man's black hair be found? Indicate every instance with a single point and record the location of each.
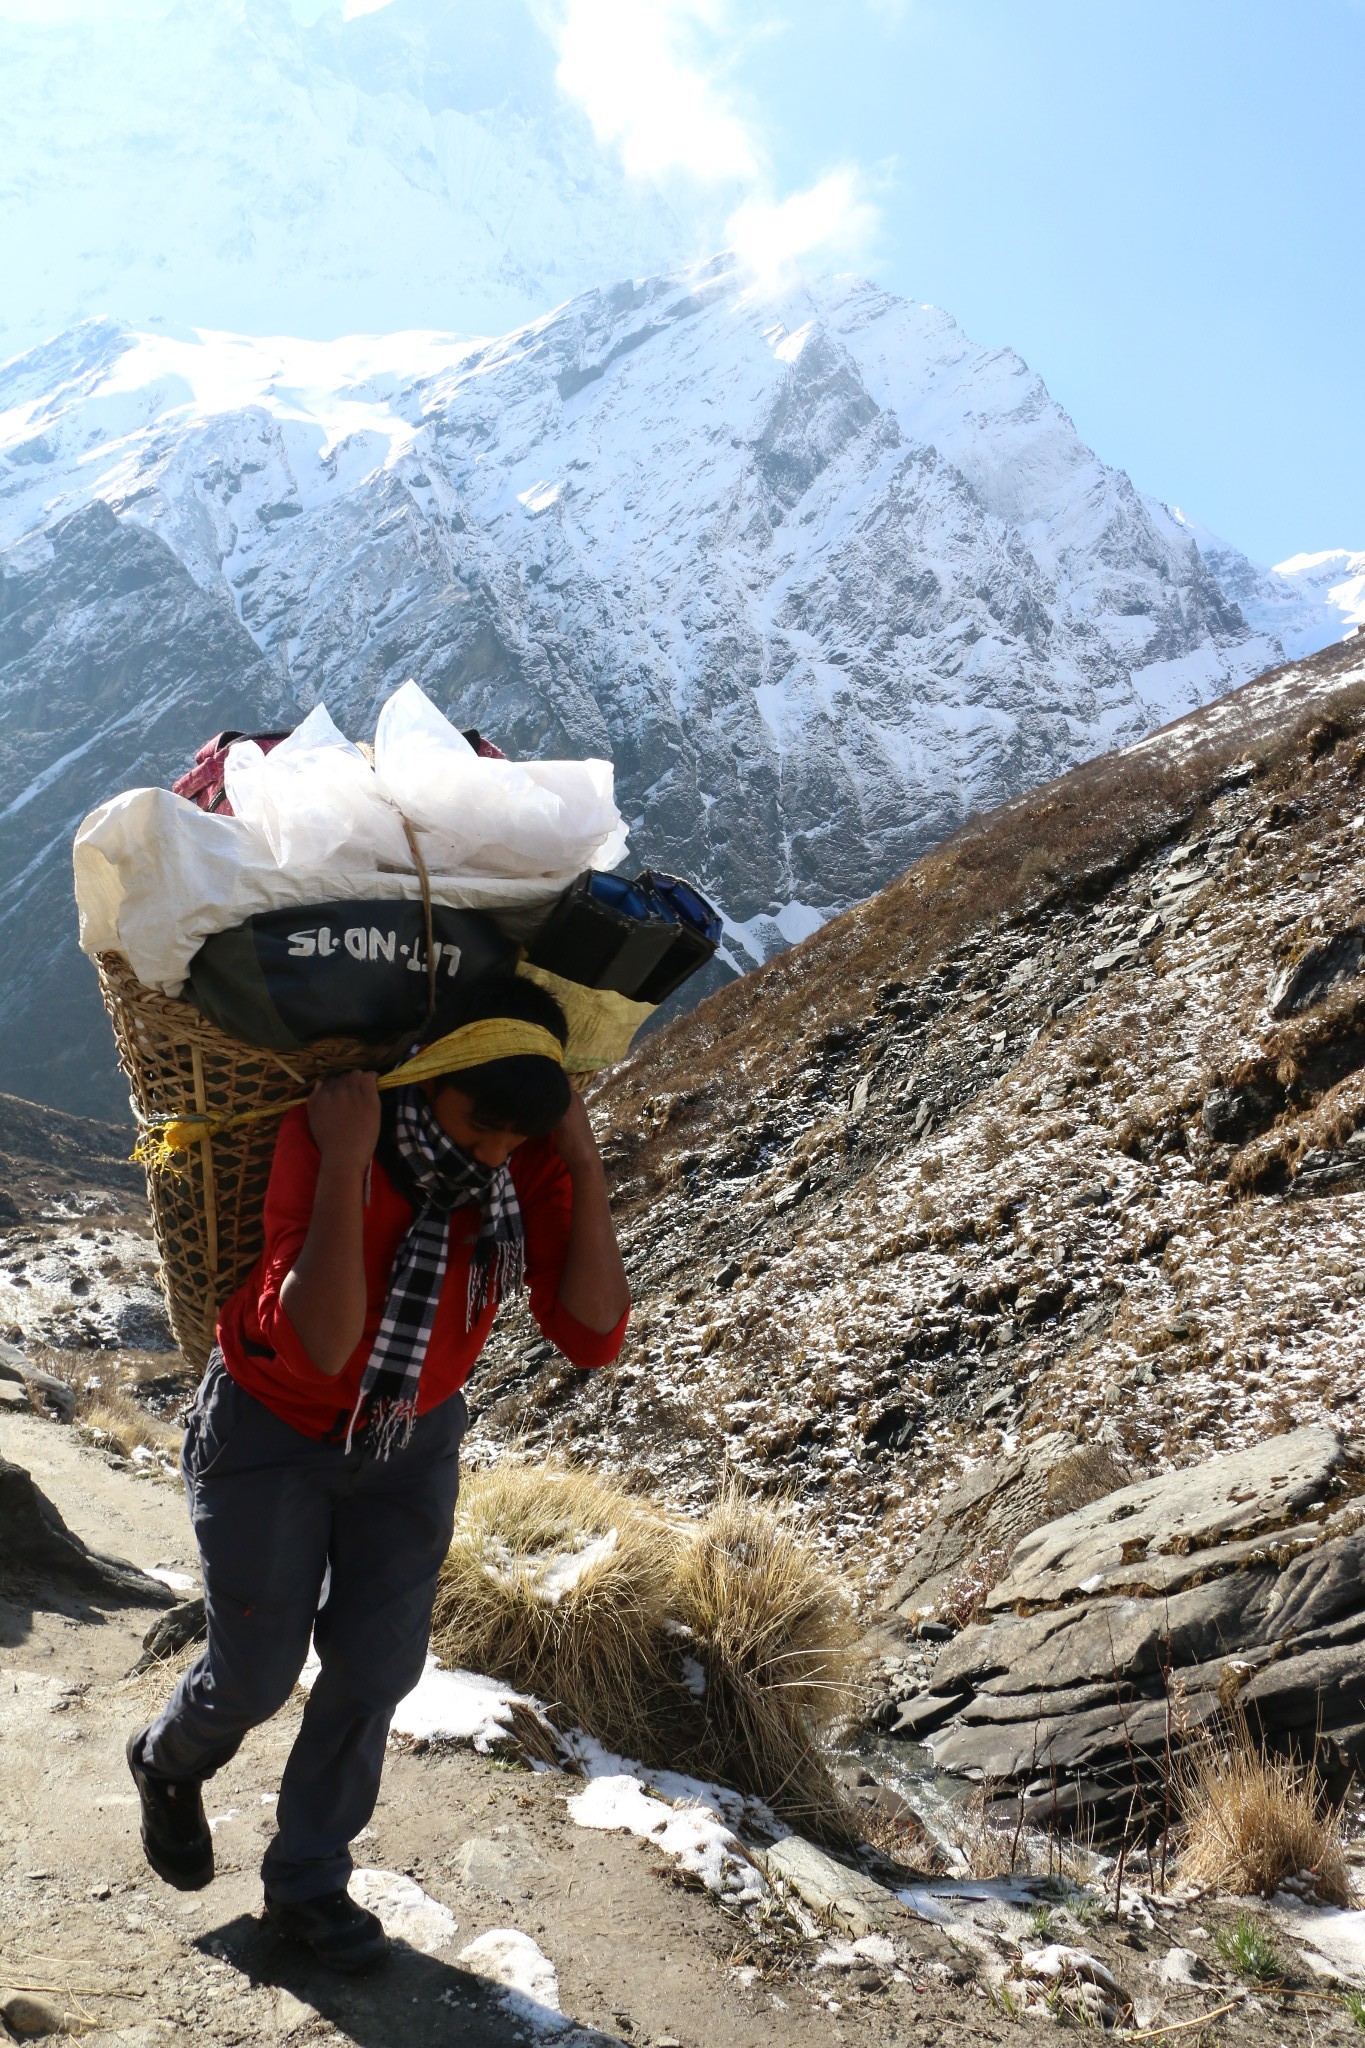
(524, 1093)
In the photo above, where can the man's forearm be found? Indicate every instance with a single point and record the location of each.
(324, 1295)
(593, 1286)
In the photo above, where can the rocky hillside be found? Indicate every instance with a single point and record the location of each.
(818, 573)
(1061, 1133)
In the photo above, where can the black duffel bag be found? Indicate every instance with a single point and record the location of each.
(641, 938)
(353, 970)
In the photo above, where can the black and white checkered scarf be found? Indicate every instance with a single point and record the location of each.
(446, 1178)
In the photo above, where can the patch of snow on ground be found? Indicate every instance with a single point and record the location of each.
(737, 1809)
(407, 1912)
(179, 1582)
(449, 1706)
(1332, 1938)
(458, 1706)
(530, 1987)
(846, 1955)
(692, 1836)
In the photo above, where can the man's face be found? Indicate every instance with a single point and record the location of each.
(491, 1146)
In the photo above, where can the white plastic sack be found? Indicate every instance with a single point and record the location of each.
(477, 816)
(155, 876)
(314, 798)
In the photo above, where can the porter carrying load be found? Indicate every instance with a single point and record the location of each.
(306, 909)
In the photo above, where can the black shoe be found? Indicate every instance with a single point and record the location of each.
(341, 1934)
(175, 1835)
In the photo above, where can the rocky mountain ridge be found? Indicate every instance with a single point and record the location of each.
(819, 574)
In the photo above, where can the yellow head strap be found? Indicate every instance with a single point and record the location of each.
(491, 1038)
(473, 1045)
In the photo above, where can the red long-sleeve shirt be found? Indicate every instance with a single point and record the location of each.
(263, 1351)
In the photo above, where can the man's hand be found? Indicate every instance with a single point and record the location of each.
(574, 1140)
(343, 1116)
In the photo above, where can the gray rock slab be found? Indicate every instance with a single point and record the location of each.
(1318, 1590)
(15, 1370)
(1155, 1576)
(1101, 1639)
(831, 1890)
(1267, 1486)
(995, 1504)
(1001, 1700)
(928, 1710)
(1102, 1740)
(1321, 1689)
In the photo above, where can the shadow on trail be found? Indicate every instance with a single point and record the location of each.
(418, 2000)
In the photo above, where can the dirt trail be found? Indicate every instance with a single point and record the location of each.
(641, 1959)
(637, 1956)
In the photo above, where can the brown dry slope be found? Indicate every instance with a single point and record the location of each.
(1057, 1132)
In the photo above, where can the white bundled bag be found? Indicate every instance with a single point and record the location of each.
(315, 798)
(155, 876)
(477, 816)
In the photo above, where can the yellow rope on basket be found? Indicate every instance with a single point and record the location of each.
(473, 1045)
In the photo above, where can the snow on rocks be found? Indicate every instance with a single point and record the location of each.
(406, 1912)
(305, 521)
(693, 1838)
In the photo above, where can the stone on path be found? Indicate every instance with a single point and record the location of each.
(35, 1543)
(830, 1889)
(30, 2018)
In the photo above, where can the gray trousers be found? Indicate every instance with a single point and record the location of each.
(300, 1539)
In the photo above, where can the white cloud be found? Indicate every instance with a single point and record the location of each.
(639, 70)
(49, 11)
(833, 219)
(353, 9)
(653, 78)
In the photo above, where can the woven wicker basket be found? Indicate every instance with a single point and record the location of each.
(208, 1212)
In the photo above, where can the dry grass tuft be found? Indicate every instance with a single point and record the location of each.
(774, 1635)
(723, 1648)
(124, 1426)
(1252, 1820)
(558, 1582)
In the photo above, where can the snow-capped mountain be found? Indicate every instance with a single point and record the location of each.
(215, 161)
(819, 574)
(1305, 603)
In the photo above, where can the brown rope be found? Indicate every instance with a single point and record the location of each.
(425, 880)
